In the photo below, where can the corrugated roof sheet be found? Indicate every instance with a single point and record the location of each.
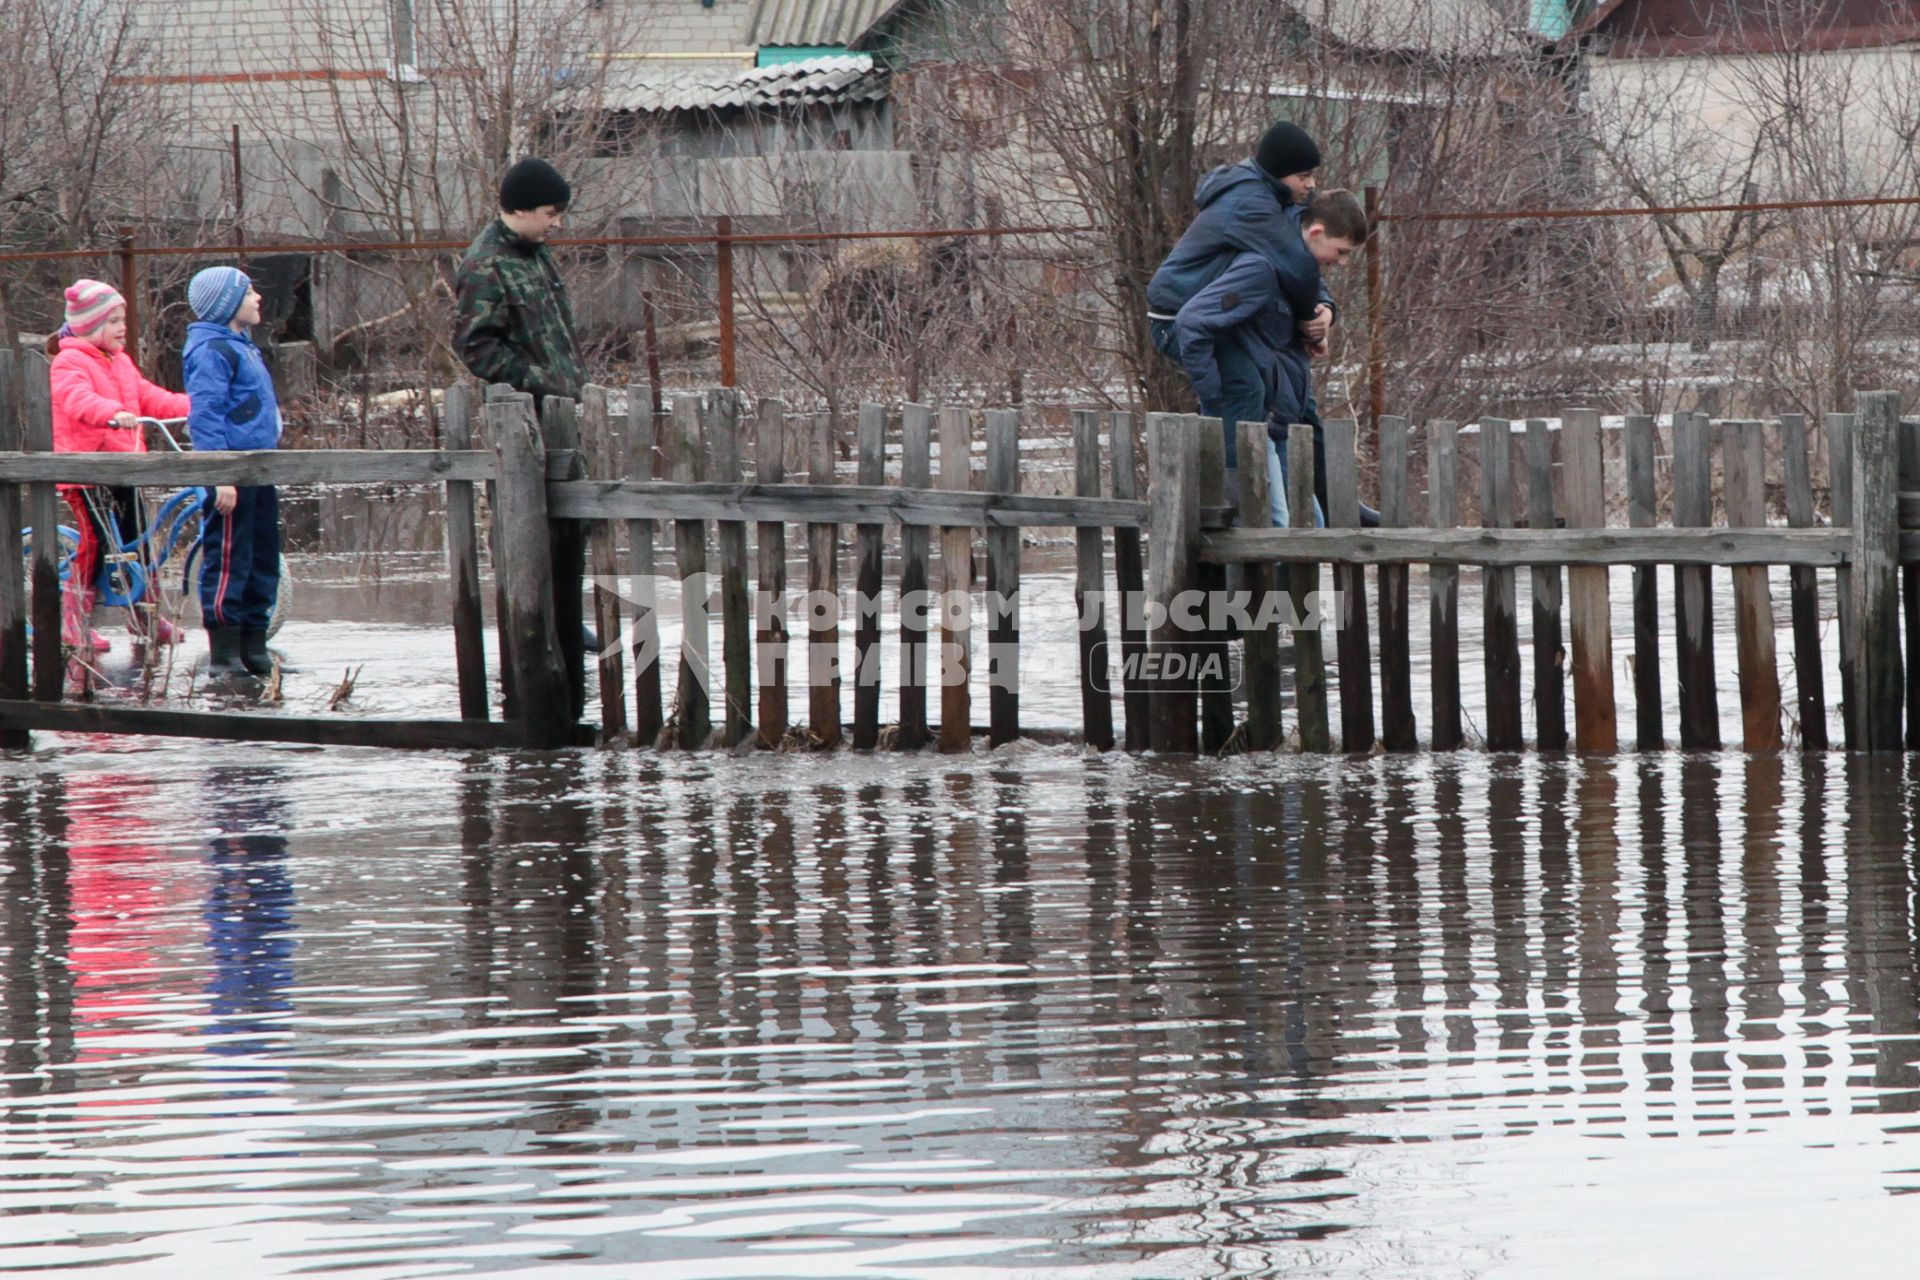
(850, 78)
(1447, 28)
(835, 22)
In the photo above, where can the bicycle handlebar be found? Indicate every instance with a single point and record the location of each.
(166, 426)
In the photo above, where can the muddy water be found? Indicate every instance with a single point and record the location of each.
(275, 1011)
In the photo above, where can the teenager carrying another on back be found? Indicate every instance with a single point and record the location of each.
(99, 397)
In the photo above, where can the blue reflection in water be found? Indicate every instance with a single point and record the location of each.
(249, 912)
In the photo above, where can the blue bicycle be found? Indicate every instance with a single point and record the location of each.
(135, 550)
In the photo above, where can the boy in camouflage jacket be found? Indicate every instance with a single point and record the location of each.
(512, 320)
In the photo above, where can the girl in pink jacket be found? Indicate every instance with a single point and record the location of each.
(99, 396)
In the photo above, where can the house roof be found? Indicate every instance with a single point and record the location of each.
(1657, 28)
(1447, 28)
(813, 22)
(810, 82)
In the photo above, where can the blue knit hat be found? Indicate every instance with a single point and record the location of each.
(216, 293)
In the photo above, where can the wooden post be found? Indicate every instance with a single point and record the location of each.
(770, 542)
(956, 589)
(1443, 586)
(1875, 562)
(603, 555)
(641, 430)
(823, 597)
(1501, 623)
(1003, 583)
(14, 685)
(43, 507)
(1743, 455)
(870, 441)
(1693, 585)
(1303, 584)
(1649, 731)
(1216, 675)
(736, 606)
(1173, 545)
(1596, 723)
(916, 472)
(1549, 648)
(523, 563)
(686, 461)
(1840, 468)
(1262, 653)
(463, 563)
(1350, 581)
(1809, 656)
(1398, 729)
(1130, 580)
(559, 423)
(509, 696)
(1089, 591)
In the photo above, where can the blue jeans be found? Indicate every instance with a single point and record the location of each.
(1277, 482)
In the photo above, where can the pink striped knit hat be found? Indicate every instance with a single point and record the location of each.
(89, 303)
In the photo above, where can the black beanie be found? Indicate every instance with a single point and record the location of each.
(531, 184)
(1285, 149)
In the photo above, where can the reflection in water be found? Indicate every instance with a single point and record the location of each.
(249, 910)
(1026, 1014)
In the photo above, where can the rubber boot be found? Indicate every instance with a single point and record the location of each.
(148, 626)
(253, 652)
(76, 610)
(223, 659)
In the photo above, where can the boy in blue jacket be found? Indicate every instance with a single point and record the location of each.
(233, 407)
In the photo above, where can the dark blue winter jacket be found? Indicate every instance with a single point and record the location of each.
(1241, 210)
(1247, 305)
(233, 405)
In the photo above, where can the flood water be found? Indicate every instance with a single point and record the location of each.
(1035, 1013)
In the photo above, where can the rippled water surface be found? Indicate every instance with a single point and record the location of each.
(1028, 1013)
(276, 1011)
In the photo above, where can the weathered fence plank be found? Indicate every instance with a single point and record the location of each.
(956, 594)
(14, 671)
(1878, 676)
(823, 595)
(1517, 548)
(1595, 720)
(463, 562)
(1744, 460)
(1129, 578)
(1549, 647)
(641, 432)
(43, 507)
(261, 467)
(1908, 453)
(601, 449)
(1173, 460)
(736, 604)
(1809, 658)
(1500, 620)
(18, 717)
(1350, 582)
(1215, 677)
(523, 560)
(1840, 469)
(692, 721)
(870, 442)
(1003, 584)
(1693, 585)
(916, 472)
(1642, 502)
(560, 425)
(770, 547)
(1262, 652)
(1089, 592)
(1303, 584)
(840, 504)
(1398, 729)
(1443, 587)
